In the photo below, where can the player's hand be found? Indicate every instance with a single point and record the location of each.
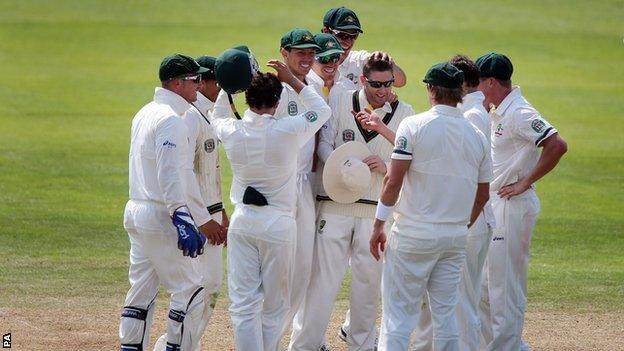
(190, 240)
(375, 164)
(283, 72)
(392, 97)
(213, 231)
(378, 240)
(369, 120)
(513, 189)
(381, 55)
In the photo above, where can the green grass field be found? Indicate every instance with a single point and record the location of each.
(73, 73)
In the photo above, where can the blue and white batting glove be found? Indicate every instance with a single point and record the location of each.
(190, 240)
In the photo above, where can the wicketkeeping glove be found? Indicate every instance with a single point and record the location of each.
(190, 240)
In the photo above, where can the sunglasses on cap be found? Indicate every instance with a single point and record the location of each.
(195, 78)
(344, 35)
(333, 58)
(377, 84)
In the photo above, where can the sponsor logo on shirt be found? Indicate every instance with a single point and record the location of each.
(321, 226)
(311, 116)
(169, 145)
(351, 77)
(209, 145)
(348, 135)
(498, 238)
(538, 125)
(499, 130)
(292, 108)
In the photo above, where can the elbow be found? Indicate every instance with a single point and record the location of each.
(562, 147)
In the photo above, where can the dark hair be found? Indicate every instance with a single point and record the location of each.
(470, 69)
(446, 96)
(264, 91)
(375, 64)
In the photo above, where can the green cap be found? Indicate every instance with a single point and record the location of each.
(495, 65)
(235, 68)
(298, 39)
(444, 75)
(341, 18)
(178, 65)
(328, 43)
(208, 62)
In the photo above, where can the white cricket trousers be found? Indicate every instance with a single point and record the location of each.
(212, 270)
(259, 281)
(155, 259)
(306, 220)
(468, 319)
(504, 296)
(338, 240)
(413, 266)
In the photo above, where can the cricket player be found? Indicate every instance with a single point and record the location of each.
(162, 216)
(343, 230)
(518, 133)
(439, 163)
(298, 49)
(263, 150)
(344, 24)
(325, 67)
(206, 186)
(479, 234)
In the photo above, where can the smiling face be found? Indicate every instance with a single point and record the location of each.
(299, 61)
(377, 97)
(327, 71)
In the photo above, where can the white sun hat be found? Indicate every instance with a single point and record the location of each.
(345, 177)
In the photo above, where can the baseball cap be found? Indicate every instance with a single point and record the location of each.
(207, 62)
(444, 75)
(178, 65)
(342, 18)
(495, 65)
(298, 39)
(328, 44)
(234, 69)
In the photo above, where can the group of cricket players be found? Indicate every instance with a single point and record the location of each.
(433, 212)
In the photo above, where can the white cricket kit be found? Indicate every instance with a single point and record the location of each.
(477, 243)
(159, 175)
(206, 190)
(261, 240)
(517, 132)
(350, 69)
(343, 232)
(426, 248)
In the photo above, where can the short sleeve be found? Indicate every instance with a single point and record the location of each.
(530, 126)
(403, 143)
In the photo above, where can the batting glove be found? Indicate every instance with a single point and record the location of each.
(190, 240)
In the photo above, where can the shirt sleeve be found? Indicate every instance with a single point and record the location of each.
(171, 144)
(196, 203)
(222, 120)
(309, 122)
(403, 143)
(530, 125)
(486, 174)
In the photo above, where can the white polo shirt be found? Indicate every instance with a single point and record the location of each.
(517, 131)
(449, 156)
(262, 150)
(350, 69)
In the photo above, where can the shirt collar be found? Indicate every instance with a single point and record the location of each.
(508, 100)
(364, 103)
(203, 103)
(254, 119)
(446, 110)
(471, 100)
(173, 100)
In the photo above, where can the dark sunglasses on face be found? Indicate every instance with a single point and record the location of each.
(377, 84)
(344, 35)
(196, 78)
(328, 59)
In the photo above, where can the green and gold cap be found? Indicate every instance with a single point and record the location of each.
(208, 62)
(342, 18)
(234, 69)
(444, 75)
(298, 39)
(495, 65)
(178, 65)
(328, 44)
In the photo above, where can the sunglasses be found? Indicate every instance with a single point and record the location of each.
(377, 84)
(333, 58)
(196, 78)
(344, 35)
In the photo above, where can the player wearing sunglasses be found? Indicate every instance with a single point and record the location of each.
(325, 66)
(344, 24)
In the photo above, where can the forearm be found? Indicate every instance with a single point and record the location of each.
(387, 133)
(390, 190)
(477, 208)
(551, 154)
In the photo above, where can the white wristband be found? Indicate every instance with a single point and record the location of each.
(383, 211)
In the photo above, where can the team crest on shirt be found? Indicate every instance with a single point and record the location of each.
(321, 226)
(538, 125)
(499, 130)
(348, 135)
(209, 145)
(351, 77)
(311, 116)
(401, 143)
(292, 108)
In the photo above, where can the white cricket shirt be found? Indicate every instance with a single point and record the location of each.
(350, 69)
